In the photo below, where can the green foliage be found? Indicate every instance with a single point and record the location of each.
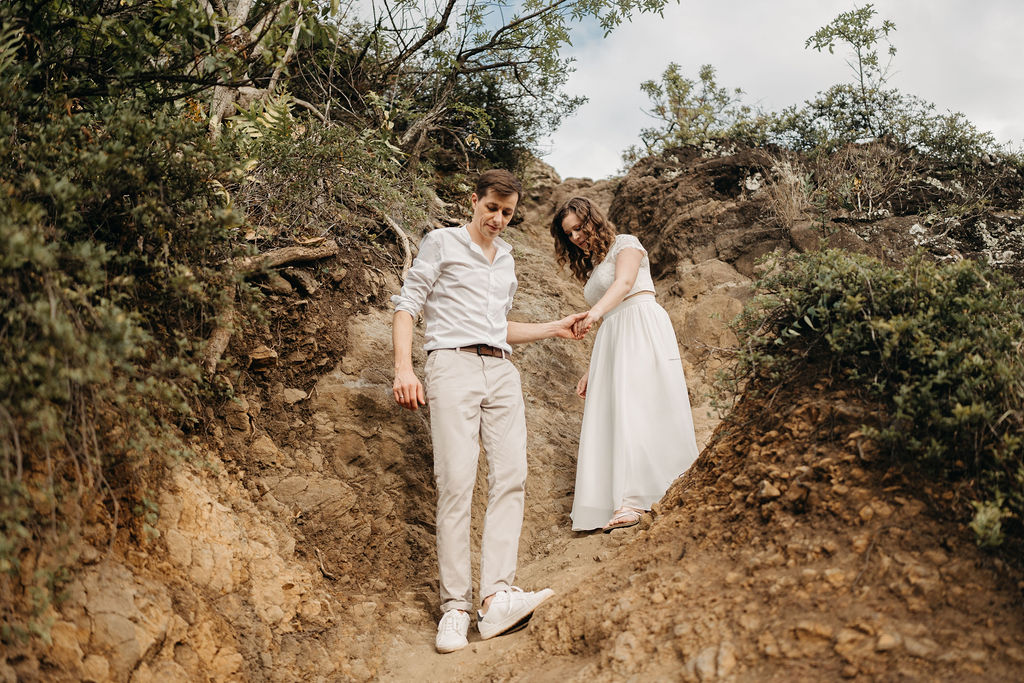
(112, 232)
(306, 180)
(82, 49)
(855, 30)
(940, 346)
(843, 115)
(864, 110)
(460, 72)
(695, 112)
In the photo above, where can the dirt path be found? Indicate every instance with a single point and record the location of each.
(573, 558)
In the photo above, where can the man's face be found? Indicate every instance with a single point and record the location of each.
(493, 211)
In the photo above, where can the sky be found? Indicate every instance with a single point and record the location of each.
(962, 55)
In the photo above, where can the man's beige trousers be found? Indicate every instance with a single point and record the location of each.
(474, 399)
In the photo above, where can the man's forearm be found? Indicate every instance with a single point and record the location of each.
(521, 333)
(401, 338)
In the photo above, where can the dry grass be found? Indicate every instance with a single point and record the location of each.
(788, 189)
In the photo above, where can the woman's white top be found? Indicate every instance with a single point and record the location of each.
(603, 275)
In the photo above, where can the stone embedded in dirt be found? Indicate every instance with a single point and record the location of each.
(262, 357)
(925, 648)
(768, 491)
(292, 396)
(887, 641)
(264, 450)
(278, 284)
(303, 279)
(705, 664)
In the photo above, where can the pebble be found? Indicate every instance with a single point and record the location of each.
(887, 641)
(705, 665)
(836, 577)
(726, 658)
(860, 543)
(768, 491)
(882, 509)
(923, 648)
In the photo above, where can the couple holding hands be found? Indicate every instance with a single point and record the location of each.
(637, 434)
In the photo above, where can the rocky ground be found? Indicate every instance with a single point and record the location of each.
(301, 546)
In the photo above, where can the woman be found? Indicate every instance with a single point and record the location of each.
(637, 434)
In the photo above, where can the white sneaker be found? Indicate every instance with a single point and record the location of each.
(451, 631)
(509, 608)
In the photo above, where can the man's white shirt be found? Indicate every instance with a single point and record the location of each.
(465, 298)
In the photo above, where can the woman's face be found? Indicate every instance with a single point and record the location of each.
(575, 231)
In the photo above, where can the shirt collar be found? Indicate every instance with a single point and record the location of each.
(502, 246)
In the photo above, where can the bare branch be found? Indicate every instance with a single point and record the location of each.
(289, 51)
(310, 107)
(437, 30)
(493, 41)
(406, 248)
(249, 265)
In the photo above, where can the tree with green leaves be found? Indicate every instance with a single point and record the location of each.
(855, 30)
(421, 63)
(691, 112)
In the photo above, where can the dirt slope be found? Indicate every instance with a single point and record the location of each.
(302, 546)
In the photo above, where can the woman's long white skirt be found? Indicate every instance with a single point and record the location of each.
(637, 433)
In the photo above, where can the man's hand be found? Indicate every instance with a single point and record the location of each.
(408, 390)
(583, 324)
(566, 327)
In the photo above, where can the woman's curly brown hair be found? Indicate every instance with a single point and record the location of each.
(599, 231)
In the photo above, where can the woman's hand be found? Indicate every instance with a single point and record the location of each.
(566, 327)
(581, 386)
(583, 325)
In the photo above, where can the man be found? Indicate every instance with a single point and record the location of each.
(463, 280)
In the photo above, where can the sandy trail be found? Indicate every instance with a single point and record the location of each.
(410, 655)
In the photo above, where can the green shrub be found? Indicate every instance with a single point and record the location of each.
(309, 179)
(112, 235)
(836, 118)
(940, 346)
(695, 112)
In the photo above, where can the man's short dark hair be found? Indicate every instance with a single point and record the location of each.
(501, 181)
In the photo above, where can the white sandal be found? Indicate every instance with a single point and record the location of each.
(623, 518)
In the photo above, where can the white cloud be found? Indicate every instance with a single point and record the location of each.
(961, 55)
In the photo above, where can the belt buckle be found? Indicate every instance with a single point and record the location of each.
(478, 347)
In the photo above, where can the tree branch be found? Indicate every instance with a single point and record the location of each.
(490, 44)
(275, 258)
(437, 30)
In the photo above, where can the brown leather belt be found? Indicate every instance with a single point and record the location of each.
(482, 350)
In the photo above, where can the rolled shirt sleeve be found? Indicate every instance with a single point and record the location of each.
(463, 296)
(420, 278)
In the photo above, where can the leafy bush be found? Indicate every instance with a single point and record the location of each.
(693, 112)
(311, 180)
(836, 119)
(112, 230)
(940, 346)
